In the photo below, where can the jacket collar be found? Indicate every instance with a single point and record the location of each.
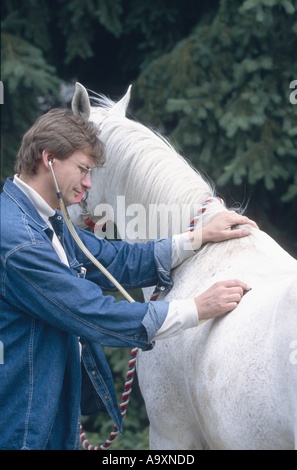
(26, 205)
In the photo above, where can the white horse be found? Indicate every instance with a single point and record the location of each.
(230, 383)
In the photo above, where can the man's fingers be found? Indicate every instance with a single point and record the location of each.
(235, 293)
(238, 233)
(246, 220)
(235, 297)
(235, 283)
(242, 219)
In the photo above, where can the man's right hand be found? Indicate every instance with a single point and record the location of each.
(222, 297)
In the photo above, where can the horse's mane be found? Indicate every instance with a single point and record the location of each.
(144, 152)
(145, 167)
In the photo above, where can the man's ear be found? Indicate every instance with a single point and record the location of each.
(47, 158)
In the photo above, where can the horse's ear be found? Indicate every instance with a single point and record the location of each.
(121, 106)
(80, 102)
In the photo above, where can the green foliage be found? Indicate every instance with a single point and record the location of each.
(29, 81)
(223, 96)
(80, 31)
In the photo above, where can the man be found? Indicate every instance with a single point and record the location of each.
(54, 315)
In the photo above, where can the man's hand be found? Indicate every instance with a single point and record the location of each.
(221, 228)
(222, 297)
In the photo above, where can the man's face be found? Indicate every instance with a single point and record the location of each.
(74, 176)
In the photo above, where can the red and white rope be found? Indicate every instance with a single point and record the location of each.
(123, 407)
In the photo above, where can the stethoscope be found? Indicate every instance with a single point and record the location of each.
(129, 378)
(79, 241)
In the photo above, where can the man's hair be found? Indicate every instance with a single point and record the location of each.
(61, 133)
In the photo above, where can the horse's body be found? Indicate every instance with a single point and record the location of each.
(230, 383)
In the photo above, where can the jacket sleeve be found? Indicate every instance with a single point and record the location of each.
(37, 283)
(133, 265)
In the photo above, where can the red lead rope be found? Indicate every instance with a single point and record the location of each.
(123, 407)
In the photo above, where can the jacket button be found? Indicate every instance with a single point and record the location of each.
(162, 288)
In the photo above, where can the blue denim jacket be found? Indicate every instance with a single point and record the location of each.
(45, 308)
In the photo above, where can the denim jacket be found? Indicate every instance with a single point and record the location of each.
(47, 309)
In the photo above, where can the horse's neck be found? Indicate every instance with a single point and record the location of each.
(146, 172)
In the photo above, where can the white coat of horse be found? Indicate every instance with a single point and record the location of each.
(230, 383)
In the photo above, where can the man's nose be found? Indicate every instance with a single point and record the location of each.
(87, 181)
